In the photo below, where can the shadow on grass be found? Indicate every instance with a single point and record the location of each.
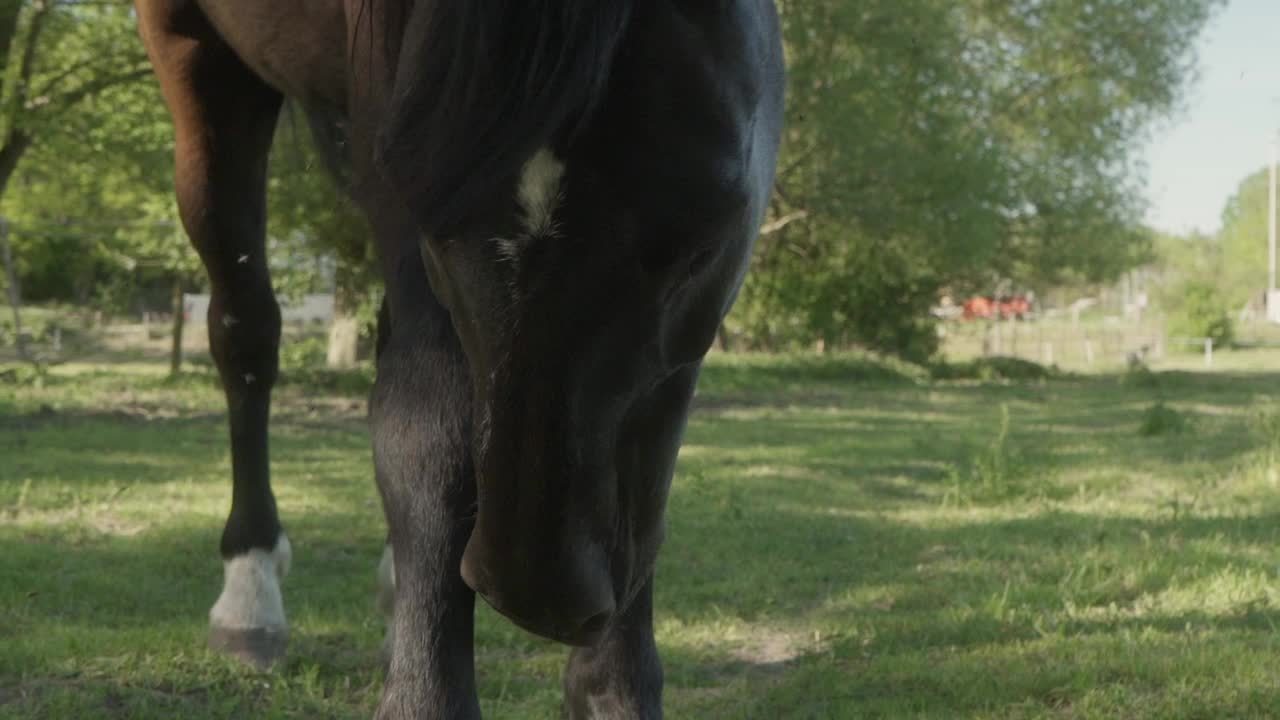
(115, 593)
(916, 616)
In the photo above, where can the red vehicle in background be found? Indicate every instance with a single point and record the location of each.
(1016, 307)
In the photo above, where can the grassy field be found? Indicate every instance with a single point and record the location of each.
(847, 539)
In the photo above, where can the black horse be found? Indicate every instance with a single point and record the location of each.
(564, 195)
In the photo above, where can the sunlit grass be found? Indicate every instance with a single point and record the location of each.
(847, 539)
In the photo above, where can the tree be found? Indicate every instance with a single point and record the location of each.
(57, 54)
(1243, 239)
(934, 143)
(95, 218)
(309, 208)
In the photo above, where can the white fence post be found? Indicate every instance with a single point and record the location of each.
(1208, 352)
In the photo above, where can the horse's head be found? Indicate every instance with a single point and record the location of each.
(585, 293)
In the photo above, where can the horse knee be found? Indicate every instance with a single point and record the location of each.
(244, 337)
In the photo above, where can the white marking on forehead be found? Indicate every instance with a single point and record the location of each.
(508, 249)
(539, 192)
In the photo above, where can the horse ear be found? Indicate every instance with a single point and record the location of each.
(479, 86)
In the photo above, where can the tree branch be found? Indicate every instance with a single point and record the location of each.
(40, 11)
(64, 101)
(10, 12)
(66, 72)
(774, 226)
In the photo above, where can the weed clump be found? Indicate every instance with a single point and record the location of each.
(1138, 375)
(1160, 419)
(992, 369)
(1265, 428)
(997, 472)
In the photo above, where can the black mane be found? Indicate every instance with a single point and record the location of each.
(480, 85)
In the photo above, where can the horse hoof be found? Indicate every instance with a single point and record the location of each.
(259, 648)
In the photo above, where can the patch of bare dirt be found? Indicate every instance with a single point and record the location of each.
(771, 650)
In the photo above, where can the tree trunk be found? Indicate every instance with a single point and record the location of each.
(10, 11)
(344, 336)
(15, 292)
(344, 332)
(179, 320)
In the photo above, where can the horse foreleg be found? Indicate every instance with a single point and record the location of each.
(420, 424)
(621, 677)
(224, 118)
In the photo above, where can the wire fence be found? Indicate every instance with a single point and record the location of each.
(1073, 346)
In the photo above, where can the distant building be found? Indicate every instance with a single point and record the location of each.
(308, 308)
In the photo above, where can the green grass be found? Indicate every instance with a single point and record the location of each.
(847, 539)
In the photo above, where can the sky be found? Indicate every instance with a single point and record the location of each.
(1196, 161)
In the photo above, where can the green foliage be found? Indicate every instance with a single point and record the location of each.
(794, 372)
(1179, 260)
(930, 145)
(998, 472)
(1265, 423)
(1139, 375)
(320, 239)
(41, 324)
(1205, 313)
(1264, 427)
(302, 352)
(992, 369)
(934, 144)
(1208, 278)
(92, 207)
(93, 178)
(991, 468)
(302, 364)
(1243, 240)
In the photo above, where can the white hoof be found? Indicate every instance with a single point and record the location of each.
(248, 619)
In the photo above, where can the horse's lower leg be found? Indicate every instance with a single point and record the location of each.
(224, 118)
(620, 678)
(244, 333)
(244, 328)
(420, 422)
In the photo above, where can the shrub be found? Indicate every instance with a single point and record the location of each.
(302, 353)
(1000, 471)
(992, 369)
(1160, 419)
(1205, 313)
